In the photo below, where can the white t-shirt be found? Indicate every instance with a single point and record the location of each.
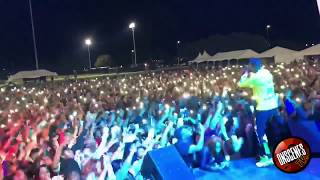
(262, 86)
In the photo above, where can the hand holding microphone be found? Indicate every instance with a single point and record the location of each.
(246, 73)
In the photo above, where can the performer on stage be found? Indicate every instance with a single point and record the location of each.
(260, 80)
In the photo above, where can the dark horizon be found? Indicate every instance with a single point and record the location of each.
(62, 26)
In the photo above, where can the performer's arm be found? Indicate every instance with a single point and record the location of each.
(247, 81)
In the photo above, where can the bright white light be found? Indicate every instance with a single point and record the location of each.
(204, 107)
(88, 42)
(144, 121)
(234, 80)
(178, 42)
(281, 95)
(45, 100)
(186, 95)
(132, 25)
(268, 26)
(245, 93)
(225, 119)
(252, 108)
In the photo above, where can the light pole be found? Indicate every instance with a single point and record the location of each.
(268, 36)
(132, 26)
(88, 42)
(178, 43)
(33, 36)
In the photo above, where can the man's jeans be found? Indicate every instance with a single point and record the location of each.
(264, 117)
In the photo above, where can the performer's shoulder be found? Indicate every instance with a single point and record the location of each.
(265, 72)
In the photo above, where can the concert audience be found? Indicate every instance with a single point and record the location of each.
(102, 128)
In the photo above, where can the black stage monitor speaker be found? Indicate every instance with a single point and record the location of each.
(165, 164)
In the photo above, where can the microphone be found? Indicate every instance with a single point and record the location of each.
(246, 71)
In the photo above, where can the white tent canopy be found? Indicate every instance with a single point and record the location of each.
(280, 54)
(205, 57)
(239, 54)
(202, 57)
(197, 58)
(31, 74)
(311, 51)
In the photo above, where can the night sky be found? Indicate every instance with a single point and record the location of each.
(62, 25)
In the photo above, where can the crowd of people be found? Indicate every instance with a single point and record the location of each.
(102, 128)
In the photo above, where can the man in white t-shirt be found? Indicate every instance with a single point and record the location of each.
(260, 80)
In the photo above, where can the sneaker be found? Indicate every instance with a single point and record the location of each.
(212, 168)
(225, 164)
(264, 162)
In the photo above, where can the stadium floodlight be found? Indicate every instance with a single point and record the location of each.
(268, 35)
(88, 42)
(178, 58)
(132, 27)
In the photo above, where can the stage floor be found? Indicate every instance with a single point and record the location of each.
(246, 169)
